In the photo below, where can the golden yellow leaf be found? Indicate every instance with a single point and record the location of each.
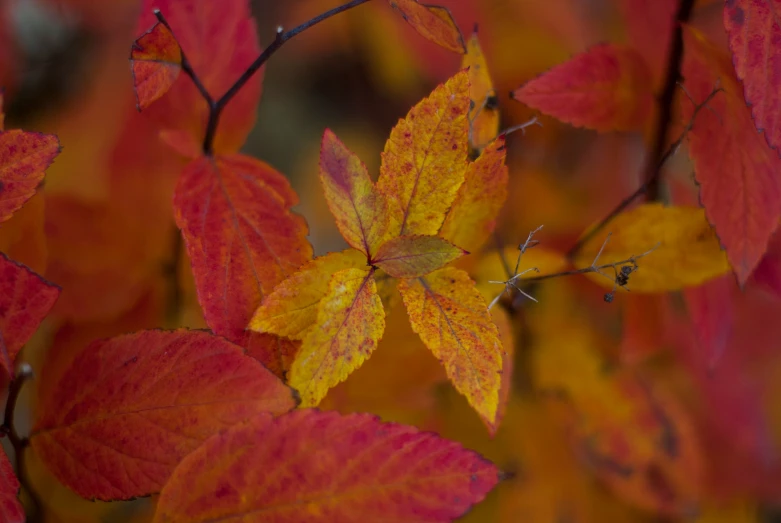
(484, 114)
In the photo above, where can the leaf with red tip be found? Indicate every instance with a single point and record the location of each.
(754, 30)
(156, 61)
(128, 409)
(25, 300)
(736, 169)
(415, 256)
(607, 88)
(241, 237)
(359, 208)
(11, 510)
(432, 22)
(24, 157)
(366, 471)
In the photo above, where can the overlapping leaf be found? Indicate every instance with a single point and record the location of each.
(484, 113)
(416, 255)
(366, 471)
(128, 409)
(607, 88)
(736, 169)
(11, 510)
(156, 61)
(433, 22)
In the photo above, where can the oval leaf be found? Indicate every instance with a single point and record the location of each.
(128, 409)
(366, 471)
(414, 256)
(156, 61)
(432, 22)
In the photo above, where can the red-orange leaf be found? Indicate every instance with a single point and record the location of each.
(156, 61)
(433, 22)
(365, 470)
(607, 88)
(128, 409)
(736, 169)
(24, 156)
(414, 256)
(242, 238)
(11, 510)
(25, 300)
(754, 29)
(359, 208)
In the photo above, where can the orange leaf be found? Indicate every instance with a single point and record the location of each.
(502, 320)
(484, 114)
(234, 212)
(128, 409)
(366, 471)
(472, 218)
(452, 319)
(607, 88)
(360, 210)
(156, 61)
(425, 159)
(753, 27)
(291, 309)
(415, 256)
(11, 510)
(350, 323)
(25, 300)
(24, 157)
(736, 169)
(432, 22)
(23, 238)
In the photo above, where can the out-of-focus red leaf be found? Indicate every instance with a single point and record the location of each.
(433, 22)
(129, 408)
(25, 300)
(607, 88)
(24, 156)
(649, 25)
(711, 311)
(754, 30)
(365, 470)
(22, 238)
(241, 237)
(220, 41)
(736, 169)
(11, 510)
(768, 272)
(156, 61)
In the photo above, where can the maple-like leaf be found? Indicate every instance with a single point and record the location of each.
(684, 250)
(350, 323)
(156, 61)
(607, 88)
(24, 156)
(366, 471)
(241, 237)
(11, 510)
(359, 208)
(471, 219)
(754, 28)
(433, 22)
(425, 159)
(484, 114)
(452, 319)
(25, 300)
(416, 255)
(736, 169)
(128, 409)
(291, 309)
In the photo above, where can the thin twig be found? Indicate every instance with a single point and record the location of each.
(521, 126)
(510, 283)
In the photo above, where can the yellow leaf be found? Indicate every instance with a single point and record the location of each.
(687, 255)
(425, 159)
(484, 115)
(360, 210)
(291, 309)
(350, 323)
(414, 256)
(453, 321)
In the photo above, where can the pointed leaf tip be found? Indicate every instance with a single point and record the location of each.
(156, 61)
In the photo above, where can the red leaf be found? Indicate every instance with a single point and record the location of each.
(711, 311)
(649, 26)
(607, 88)
(754, 30)
(768, 272)
(365, 471)
(736, 169)
(25, 300)
(23, 159)
(11, 510)
(432, 22)
(242, 238)
(156, 61)
(128, 409)
(220, 41)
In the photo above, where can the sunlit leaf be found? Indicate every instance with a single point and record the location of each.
(24, 157)
(484, 114)
(433, 22)
(414, 256)
(156, 61)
